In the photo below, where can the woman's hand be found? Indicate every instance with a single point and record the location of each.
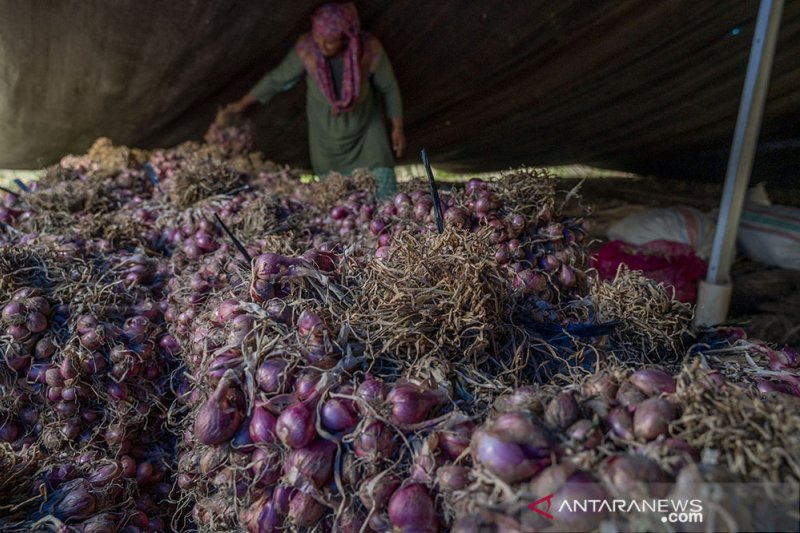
(398, 137)
(240, 105)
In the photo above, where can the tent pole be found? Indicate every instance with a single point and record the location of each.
(713, 299)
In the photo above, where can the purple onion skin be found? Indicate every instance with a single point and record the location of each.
(335, 416)
(296, 425)
(266, 468)
(375, 491)
(627, 472)
(74, 501)
(562, 411)
(452, 478)
(262, 427)
(9, 431)
(455, 441)
(269, 521)
(306, 384)
(601, 385)
(652, 418)
(282, 495)
(629, 396)
(411, 509)
(374, 440)
(580, 486)
(411, 404)
(14, 312)
(621, 422)
(45, 348)
(220, 416)
(371, 391)
(521, 428)
(310, 323)
(586, 434)
(304, 510)
(351, 521)
(315, 463)
(507, 460)
(652, 381)
(271, 375)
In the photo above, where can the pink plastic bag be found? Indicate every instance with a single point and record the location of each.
(672, 263)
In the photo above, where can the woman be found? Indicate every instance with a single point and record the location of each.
(345, 68)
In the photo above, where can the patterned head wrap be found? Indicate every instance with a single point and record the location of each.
(361, 52)
(330, 21)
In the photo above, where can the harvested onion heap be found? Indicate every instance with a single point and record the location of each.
(273, 427)
(612, 436)
(81, 401)
(359, 374)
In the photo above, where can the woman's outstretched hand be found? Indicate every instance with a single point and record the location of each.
(398, 137)
(241, 104)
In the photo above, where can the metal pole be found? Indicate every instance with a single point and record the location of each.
(745, 139)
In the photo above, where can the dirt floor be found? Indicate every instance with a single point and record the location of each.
(766, 300)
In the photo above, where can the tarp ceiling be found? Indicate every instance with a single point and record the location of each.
(649, 86)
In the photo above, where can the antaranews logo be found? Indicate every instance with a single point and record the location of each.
(674, 511)
(535, 506)
(585, 506)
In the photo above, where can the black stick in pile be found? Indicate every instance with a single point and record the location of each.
(9, 191)
(235, 240)
(437, 204)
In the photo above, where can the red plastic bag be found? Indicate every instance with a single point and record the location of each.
(672, 263)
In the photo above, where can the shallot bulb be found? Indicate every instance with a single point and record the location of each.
(336, 415)
(411, 509)
(314, 463)
(272, 377)
(562, 411)
(586, 434)
(304, 509)
(455, 441)
(262, 427)
(73, 501)
(296, 424)
(621, 422)
(375, 491)
(374, 440)
(652, 381)
(221, 414)
(266, 467)
(411, 403)
(268, 520)
(629, 396)
(371, 392)
(652, 418)
(512, 447)
(450, 478)
(628, 472)
(601, 385)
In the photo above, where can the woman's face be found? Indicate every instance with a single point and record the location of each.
(329, 46)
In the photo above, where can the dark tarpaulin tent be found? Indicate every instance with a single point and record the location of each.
(634, 85)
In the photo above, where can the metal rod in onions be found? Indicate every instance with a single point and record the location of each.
(151, 173)
(437, 204)
(235, 240)
(21, 185)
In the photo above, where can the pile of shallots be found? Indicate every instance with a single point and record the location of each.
(161, 374)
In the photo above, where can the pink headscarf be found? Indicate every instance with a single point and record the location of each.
(330, 21)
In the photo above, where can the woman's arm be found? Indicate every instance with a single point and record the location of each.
(281, 78)
(386, 83)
